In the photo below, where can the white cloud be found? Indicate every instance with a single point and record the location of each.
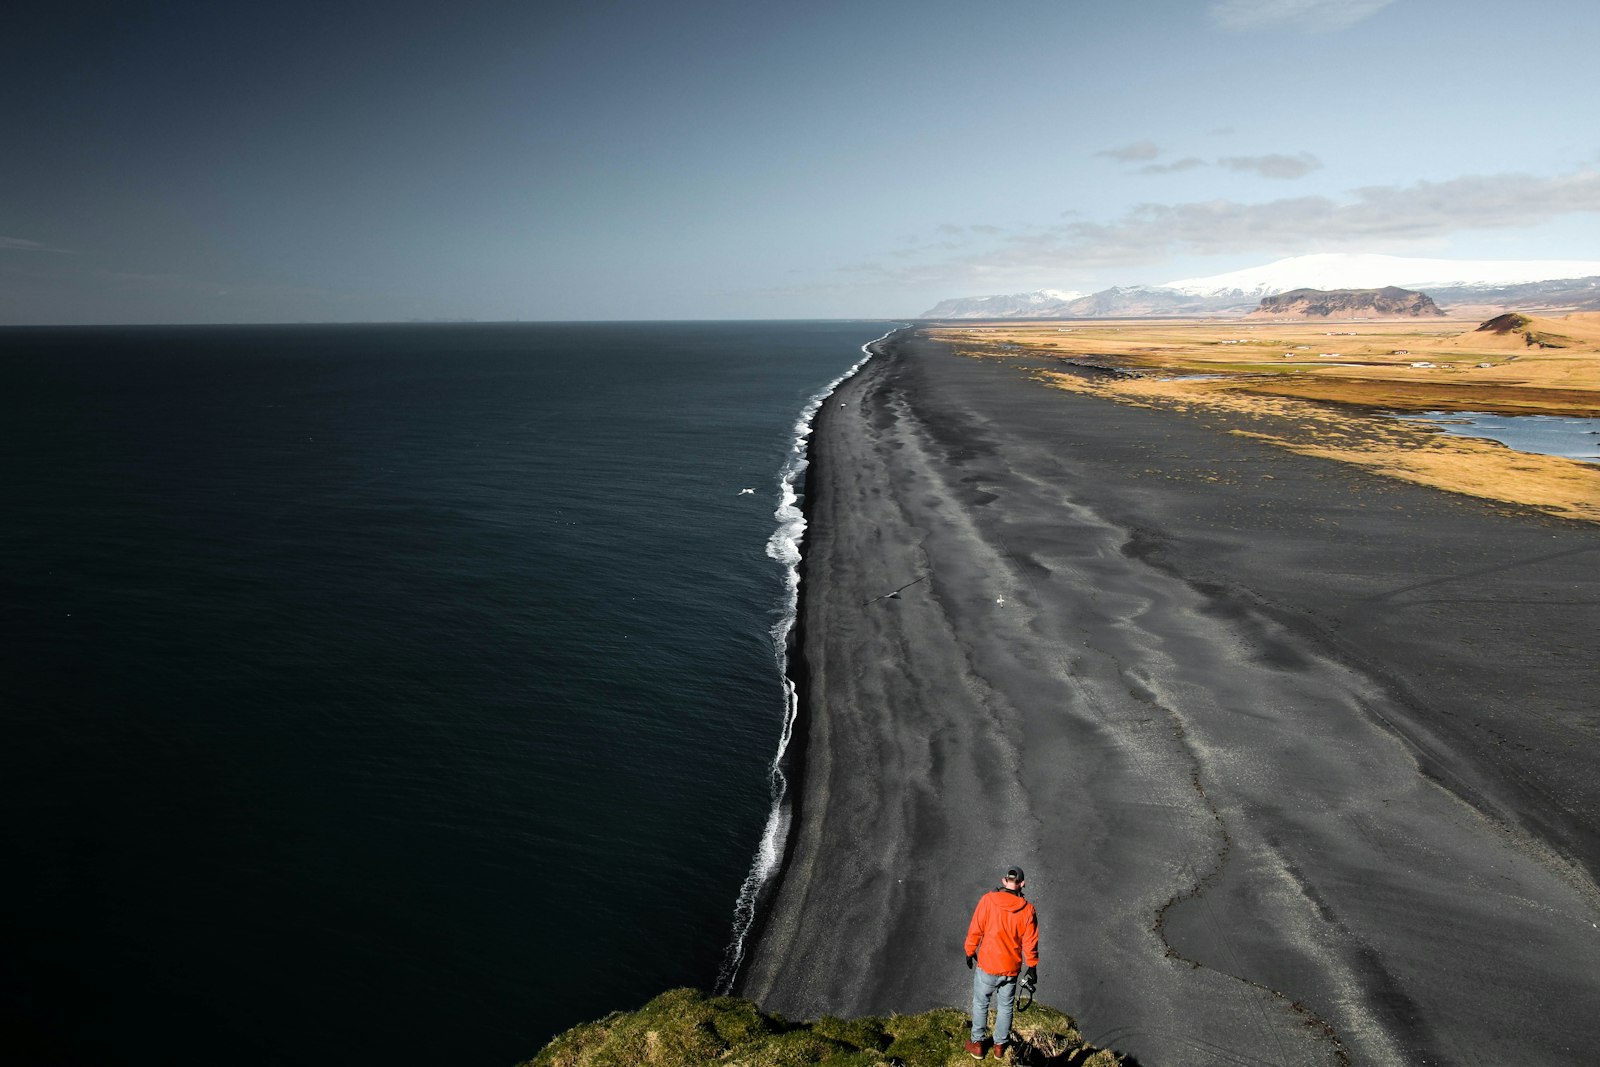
(1311, 16)
(1275, 165)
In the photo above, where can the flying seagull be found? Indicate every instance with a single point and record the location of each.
(742, 492)
(895, 594)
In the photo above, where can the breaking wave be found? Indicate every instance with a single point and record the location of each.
(783, 546)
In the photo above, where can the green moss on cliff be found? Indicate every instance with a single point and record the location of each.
(686, 1027)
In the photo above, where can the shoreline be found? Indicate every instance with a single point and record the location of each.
(772, 852)
(1199, 707)
(791, 762)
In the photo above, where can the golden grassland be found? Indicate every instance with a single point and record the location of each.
(1321, 388)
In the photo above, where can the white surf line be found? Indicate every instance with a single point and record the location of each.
(783, 546)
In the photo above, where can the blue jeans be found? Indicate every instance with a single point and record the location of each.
(1003, 988)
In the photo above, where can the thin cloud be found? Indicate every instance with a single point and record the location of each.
(957, 236)
(1388, 217)
(1137, 152)
(1423, 211)
(1310, 16)
(1176, 165)
(20, 244)
(1274, 166)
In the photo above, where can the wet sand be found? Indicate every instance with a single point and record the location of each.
(1299, 760)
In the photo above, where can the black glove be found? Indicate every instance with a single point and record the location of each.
(1030, 977)
(970, 960)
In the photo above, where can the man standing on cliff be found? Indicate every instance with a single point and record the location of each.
(1002, 938)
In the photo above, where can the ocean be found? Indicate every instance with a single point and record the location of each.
(393, 693)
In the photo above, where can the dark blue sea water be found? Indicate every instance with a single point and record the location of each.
(383, 694)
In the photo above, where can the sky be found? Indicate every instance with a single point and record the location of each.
(362, 161)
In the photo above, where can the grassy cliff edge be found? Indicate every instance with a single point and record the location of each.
(685, 1027)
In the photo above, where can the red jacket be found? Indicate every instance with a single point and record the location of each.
(1004, 933)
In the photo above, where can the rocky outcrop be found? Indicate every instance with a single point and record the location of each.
(1390, 302)
(684, 1028)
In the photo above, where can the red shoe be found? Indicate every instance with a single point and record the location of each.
(999, 1051)
(975, 1049)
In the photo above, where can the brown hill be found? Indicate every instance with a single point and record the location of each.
(1516, 332)
(1390, 302)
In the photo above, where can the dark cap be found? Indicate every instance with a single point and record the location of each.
(1015, 874)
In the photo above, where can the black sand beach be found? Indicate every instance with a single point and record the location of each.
(1300, 761)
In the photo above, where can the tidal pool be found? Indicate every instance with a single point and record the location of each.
(1549, 435)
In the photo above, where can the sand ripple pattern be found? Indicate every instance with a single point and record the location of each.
(1245, 846)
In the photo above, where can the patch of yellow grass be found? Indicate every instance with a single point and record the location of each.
(1317, 388)
(1407, 365)
(1406, 451)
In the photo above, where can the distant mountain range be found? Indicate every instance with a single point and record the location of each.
(1011, 306)
(1542, 283)
(1119, 301)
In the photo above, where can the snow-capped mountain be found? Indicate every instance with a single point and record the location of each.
(1038, 304)
(1508, 282)
(1125, 300)
(1338, 270)
(1138, 301)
